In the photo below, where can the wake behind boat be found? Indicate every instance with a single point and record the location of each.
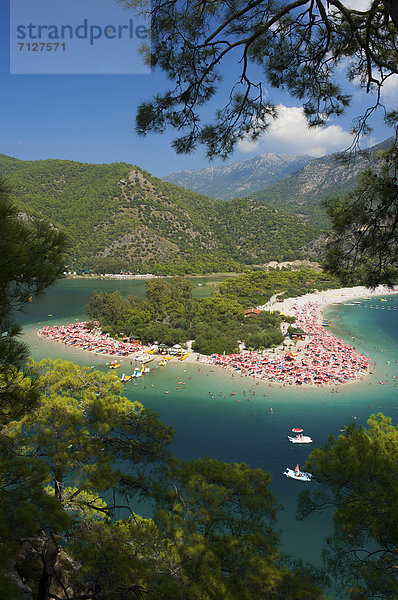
(297, 474)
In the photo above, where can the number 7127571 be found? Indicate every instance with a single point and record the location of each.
(42, 46)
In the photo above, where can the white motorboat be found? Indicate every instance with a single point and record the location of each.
(300, 439)
(297, 474)
(144, 358)
(148, 359)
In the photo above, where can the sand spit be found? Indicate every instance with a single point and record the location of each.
(321, 359)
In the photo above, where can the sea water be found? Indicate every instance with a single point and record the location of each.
(218, 413)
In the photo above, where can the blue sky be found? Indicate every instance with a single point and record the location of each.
(90, 118)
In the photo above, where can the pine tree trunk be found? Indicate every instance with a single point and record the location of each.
(49, 558)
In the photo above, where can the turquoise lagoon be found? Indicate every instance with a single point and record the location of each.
(229, 417)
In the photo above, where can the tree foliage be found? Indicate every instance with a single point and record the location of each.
(70, 474)
(296, 46)
(31, 259)
(81, 446)
(359, 479)
(220, 518)
(217, 324)
(302, 47)
(364, 242)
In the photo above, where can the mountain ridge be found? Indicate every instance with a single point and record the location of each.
(302, 194)
(240, 178)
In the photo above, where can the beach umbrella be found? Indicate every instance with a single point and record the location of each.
(297, 430)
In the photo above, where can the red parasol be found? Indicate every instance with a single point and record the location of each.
(297, 430)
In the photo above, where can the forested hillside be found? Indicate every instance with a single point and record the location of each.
(118, 216)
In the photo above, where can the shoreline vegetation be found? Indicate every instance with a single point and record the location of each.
(124, 276)
(318, 359)
(272, 265)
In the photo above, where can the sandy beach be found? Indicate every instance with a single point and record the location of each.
(324, 299)
(320, 359)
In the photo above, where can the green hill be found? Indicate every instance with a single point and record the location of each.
(8, 163)
(118, 216)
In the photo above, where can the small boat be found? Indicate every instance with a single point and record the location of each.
(300, 439)
(163, 362)
(125, 378)
(136, 373)
(144, 358)
(297, 474)
(114, 366)
(145, 370)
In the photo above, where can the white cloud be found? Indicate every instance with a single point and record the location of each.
(389, 92)
(357, 4)
(290, 134)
